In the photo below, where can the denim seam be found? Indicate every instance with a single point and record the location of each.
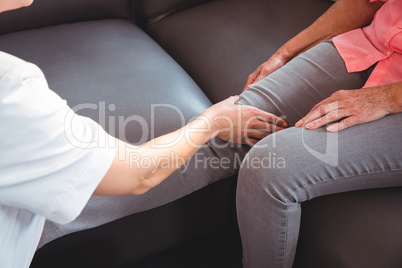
(288, 202)
(338, 178)
(286, 237)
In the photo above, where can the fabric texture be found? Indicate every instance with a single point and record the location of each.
(380, 42)
(50, 159)
(136, 91)
(222, 42)
(296, 164)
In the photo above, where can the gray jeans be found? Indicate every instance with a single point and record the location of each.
(296, 164)
(269, 194)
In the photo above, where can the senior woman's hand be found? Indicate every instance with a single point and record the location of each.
(265, 69)
(340, 18)
(353, 107)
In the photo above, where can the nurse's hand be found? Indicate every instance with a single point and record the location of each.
(352, 107)
(242, 124)
(136, 169)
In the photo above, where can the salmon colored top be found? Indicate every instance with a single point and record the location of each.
(380, 42)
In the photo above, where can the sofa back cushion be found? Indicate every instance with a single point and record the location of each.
(50, 12)
(151, 11)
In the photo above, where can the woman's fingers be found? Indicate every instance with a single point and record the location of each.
(265, 69)
(259, 74)
(330, 117)
(251, 78)
(351, 107)
(318, 111)
(345, 123)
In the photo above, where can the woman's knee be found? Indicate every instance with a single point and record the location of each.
(280, 165)
(264, 171)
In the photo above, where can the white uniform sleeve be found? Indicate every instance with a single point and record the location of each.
(51, 160)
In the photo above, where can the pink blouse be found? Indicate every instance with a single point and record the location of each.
(380, 42)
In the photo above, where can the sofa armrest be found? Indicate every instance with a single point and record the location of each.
(51, 12)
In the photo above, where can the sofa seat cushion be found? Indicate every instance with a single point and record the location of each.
(114, 72)
(113, 65)
(221, 42)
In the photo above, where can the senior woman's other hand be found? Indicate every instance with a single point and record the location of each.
(265, 69)
(353, 107)
(242, 124)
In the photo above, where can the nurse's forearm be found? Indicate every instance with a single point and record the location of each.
(343, 16)
(136, 169)
(158, 158)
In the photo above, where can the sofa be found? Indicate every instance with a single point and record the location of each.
(124, 57)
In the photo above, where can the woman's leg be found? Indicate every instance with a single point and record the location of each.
(311, 77)
(212, 163)
(295, 165)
